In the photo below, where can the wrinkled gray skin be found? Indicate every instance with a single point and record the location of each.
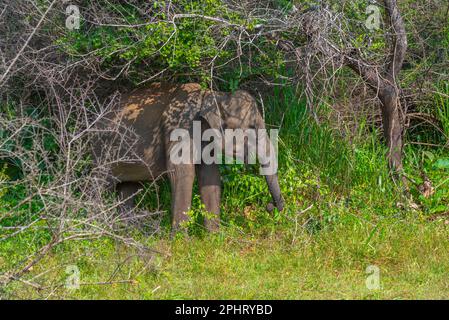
(153, 112)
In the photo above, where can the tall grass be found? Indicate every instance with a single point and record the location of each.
(442, 106)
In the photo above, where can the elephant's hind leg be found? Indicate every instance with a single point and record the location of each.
(210, 190)
(127, 192)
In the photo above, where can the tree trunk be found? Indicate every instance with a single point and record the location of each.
(392, 125)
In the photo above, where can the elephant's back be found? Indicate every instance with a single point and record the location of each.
(144, 107)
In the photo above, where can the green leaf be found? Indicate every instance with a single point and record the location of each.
(429, 155)
(442, 163)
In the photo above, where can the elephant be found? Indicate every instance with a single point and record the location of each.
(152, 113)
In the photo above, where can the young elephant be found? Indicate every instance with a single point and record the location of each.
(153, 113)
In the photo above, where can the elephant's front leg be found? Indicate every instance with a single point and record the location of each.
(181, 180)
(210, 190)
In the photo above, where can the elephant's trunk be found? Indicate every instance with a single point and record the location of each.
(268, 160)
(275, 191)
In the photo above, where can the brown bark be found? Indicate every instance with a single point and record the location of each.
(389, 95)
(392, 125)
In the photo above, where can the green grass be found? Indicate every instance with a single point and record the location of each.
(343, 213)
(411, 255)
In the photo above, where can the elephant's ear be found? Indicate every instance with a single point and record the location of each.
(212, 110)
